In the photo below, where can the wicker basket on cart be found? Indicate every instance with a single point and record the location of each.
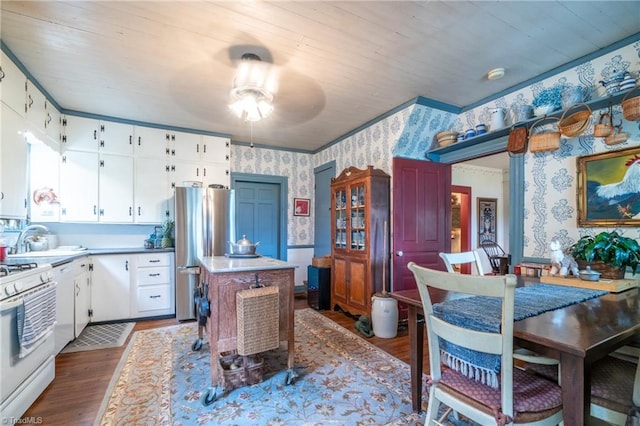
(631, 106)
(258, 320)
(237, 370)
(576, 123)
(542, 142)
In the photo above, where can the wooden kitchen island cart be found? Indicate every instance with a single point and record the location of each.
(225, 277)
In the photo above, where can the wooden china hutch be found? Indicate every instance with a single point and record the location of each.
(359, 220)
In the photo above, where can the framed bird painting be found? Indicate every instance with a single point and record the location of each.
(609, 188)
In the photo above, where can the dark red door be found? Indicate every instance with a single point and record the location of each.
(421, 218)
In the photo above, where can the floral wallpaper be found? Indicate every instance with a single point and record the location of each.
(550, 186)
(550, 210)
(297, 168)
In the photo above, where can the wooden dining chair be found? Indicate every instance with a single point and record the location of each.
(451, 260)
(615, 391)
(520, 397)
(494, 252)
(615, 388)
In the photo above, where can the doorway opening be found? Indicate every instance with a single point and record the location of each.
(461, 222)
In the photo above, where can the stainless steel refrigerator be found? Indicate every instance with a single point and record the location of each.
(204, 224)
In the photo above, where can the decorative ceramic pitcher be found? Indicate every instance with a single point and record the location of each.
(497, 118)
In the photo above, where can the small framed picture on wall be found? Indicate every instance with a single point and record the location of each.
(487, 219)
(301, 206)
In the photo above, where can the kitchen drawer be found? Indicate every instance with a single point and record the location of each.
(151, 276)
(156, 259)
(153, 298)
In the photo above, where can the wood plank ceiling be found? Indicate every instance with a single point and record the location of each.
(339, 65)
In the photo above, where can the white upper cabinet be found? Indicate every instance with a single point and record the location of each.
(116, 138)
(150, 142)
(36, 110)
(96, 187)
(217, 174)
(151, 192)
(185, 146)
(216, 149)
(44, 183)
(80, 133)
(13, 166)
(52, 125)
(13, 85)
(90, 134)
(116, 189)
(79, 186)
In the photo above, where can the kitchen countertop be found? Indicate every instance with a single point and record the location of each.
(57, 260)
(219, 264)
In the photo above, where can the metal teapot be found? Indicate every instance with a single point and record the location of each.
(243, 247)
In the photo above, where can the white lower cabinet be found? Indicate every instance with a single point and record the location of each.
(110, 287)
(82, 286)
(154, 285)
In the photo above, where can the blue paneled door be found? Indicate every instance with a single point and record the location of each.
(322, 210)
(258, 215)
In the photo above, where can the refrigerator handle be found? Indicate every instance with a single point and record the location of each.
(188, 270)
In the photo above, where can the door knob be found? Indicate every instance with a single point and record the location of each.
(399, 253)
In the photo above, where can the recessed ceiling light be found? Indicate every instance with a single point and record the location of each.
(495, 73)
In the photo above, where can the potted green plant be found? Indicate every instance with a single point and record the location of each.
(608, 253)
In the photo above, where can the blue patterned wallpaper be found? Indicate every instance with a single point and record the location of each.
(550, 186)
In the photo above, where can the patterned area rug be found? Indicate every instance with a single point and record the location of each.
(343, 380)
(100, 337)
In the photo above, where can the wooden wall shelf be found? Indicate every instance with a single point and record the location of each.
(495, 142)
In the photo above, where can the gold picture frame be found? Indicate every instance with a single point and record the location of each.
(487, 219)
(606, 195)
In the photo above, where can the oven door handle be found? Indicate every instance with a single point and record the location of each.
(10, 305)
(6, 306)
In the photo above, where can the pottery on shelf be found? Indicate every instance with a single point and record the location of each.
(523, 113)
(572, 95)
(541, 110)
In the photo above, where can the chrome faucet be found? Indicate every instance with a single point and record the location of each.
(21, 243)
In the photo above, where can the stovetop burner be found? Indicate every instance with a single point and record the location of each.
(9, 268)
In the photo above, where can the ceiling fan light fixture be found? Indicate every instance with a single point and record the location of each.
(495, 74)
(251, 97)
(251, 104)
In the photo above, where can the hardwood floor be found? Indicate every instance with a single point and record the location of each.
(82, 378)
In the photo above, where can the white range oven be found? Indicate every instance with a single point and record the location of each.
(28, 311)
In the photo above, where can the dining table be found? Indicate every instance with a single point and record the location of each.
(577, 335)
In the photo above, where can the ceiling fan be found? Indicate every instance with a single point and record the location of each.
(254, 86)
